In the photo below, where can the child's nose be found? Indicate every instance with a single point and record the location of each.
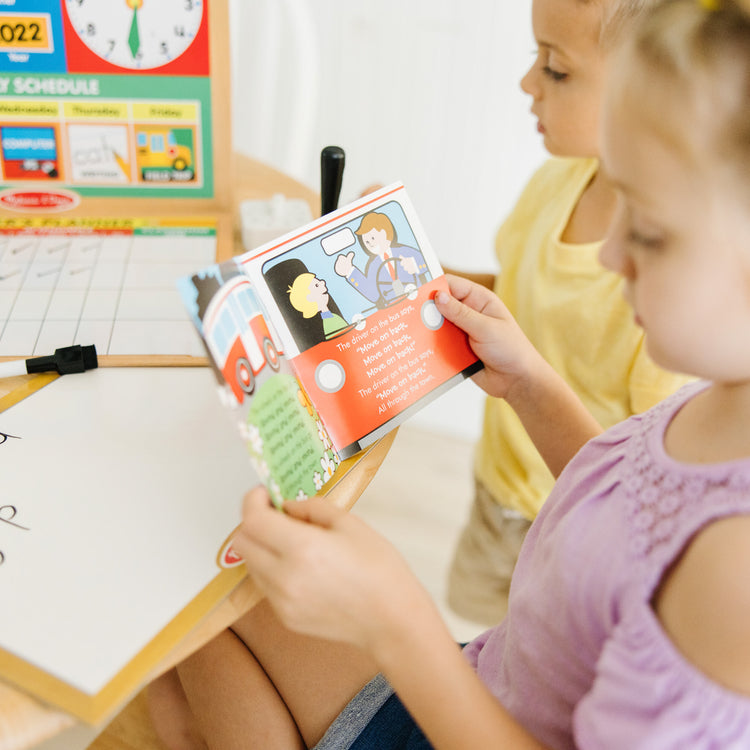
(529, 82)
(613, 256)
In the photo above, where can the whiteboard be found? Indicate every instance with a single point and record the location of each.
(119, 487)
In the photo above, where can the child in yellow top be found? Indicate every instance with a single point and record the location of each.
(570, 307)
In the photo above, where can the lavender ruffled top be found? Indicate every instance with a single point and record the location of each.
(581, 659)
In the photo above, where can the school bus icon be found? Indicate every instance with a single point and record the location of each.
(238, 337)
(165, 154)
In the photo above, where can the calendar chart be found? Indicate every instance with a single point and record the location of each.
(105, 99)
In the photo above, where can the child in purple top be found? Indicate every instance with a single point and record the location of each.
(629, 610)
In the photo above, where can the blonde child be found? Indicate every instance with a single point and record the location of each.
(569, 306)
(309, 295)
(630, 609)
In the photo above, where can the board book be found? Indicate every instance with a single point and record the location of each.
(326, 339)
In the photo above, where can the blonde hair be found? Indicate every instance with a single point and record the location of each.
(701, 49)
(298, 292)
(617, 17)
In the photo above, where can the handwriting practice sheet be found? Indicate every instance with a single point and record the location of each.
(120, 488)
(107, 283)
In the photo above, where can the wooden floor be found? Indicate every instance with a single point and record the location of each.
(418, 500)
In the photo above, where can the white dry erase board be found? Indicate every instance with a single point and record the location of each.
(119, 489)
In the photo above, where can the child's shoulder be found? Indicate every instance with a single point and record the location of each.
(552, 188)
(558, 172)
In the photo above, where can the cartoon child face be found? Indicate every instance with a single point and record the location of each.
(376, 241)
(308, 294)
(318, 292)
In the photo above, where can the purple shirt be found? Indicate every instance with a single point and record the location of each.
(581, 659)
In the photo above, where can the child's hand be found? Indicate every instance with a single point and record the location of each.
(370, 189)
(509, 357)
(325, 572)
(550, 411)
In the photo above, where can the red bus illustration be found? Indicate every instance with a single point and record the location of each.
(237, 335)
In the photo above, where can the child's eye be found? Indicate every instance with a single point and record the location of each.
(555, 75)
(648, 241)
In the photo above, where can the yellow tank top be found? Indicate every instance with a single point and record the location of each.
(573, 311)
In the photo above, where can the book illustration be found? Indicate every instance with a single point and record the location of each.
(283, 433)
(391, 268)
(309, 295)
(309, 320)
(238, 339)
(385, 267)
(326, 339)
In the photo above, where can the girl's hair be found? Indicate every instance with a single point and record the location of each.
(700, 48)
(298, 292)
(617, 17)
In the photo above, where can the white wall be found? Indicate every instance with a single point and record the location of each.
(422, 91)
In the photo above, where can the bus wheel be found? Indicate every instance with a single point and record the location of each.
(180, 164)
(272, 356)
(244, 374)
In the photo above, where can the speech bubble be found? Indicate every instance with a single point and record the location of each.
(338, 241)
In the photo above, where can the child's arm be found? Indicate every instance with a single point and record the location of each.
(704, 603)
(327, 574)
(552, 414)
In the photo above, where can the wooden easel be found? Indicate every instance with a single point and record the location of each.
(235, 178)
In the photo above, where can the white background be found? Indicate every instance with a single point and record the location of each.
(421, 91)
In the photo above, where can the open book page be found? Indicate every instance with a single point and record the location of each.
(351, 297)
(282, 430)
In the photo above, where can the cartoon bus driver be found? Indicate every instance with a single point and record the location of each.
(390, 267)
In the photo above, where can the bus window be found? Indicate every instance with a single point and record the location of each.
(238, 311)
(247, 304)
(224, 334)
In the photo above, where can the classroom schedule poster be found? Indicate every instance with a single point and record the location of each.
(104, 98)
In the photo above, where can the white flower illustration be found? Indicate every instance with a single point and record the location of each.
(323, 435)
(317, 480)
(256, 441)
(328, 466)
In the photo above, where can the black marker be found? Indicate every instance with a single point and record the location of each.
(67, 360)
(332, 159)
